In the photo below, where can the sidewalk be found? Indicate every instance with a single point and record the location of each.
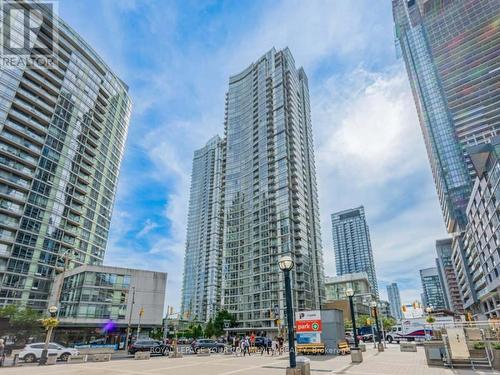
(390, 362)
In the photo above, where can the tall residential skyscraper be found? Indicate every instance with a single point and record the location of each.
(201, 286)
(432, 295)
(62, 136)
(394, 300)
(476, 255)
(447, 276)
(271, 200)
(352, 245)
(449, 48)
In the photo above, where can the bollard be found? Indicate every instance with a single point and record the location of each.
(304, 364)
(356, 355)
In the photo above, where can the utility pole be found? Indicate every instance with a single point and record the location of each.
(130, 318)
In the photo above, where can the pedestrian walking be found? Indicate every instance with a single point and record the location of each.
(246, 346)
(264, 347)
(280, 345)
(274, 346)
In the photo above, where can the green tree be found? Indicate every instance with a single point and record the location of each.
(363, 321)
(222, 316)
(347, 325)
(209, 329)
(198, 331)
(23, 322)
(388, 322)
(156, 334)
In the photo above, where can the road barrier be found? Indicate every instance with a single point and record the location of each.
(408, 347)
(142, 355)
(99, 357)
(77, 358)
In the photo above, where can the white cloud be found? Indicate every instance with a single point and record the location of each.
(366, 127)
(149, 225)
(314, 31)
(368, 145)
(369, 151)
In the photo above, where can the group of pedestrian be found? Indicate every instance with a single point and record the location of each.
(241, 345)
(244, 344)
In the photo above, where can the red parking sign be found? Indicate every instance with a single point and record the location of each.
(309, 326)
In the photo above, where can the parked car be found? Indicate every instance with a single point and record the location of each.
(207, 344)
(33, 352)
(153, 346)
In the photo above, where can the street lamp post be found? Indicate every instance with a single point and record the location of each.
(286, 264)
(130, 319)
(375, 313)
(43, 357)
(350, 293)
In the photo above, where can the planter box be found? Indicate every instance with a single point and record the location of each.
(408, 347)
(80, 358)
(142, 355)
(101, 357)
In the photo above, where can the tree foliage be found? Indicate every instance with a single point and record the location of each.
(347, 325)
(363, 321)
(210, 329)
(222, 316)
(23, 322)
(156, 334)
(388, 322)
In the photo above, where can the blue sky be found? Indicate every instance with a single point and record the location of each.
(177, 57)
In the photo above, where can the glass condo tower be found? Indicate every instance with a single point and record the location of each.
(62, 136)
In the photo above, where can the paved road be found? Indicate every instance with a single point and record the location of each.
(392, 361)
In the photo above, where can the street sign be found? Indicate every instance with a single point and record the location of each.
(309, 327)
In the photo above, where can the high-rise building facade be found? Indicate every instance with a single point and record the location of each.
(449, 48)
(271, 200)
(336, 286)
(447, 276)
(352, 245)
(432, 295)
(201, 296)
(336, 298)
(394, 301)
(476, 253)
(62, 135)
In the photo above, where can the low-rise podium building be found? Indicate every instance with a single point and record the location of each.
(96, 302)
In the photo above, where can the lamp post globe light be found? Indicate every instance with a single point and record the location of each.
(53, 311)
(43, 356)
(286, 264)
(350, 293)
